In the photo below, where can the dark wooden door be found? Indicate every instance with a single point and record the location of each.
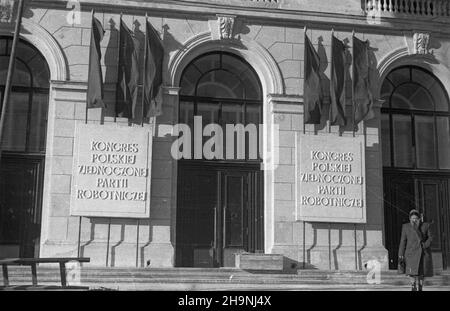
(399, 200)
(241, 223)
(197, 205)
(219, 214)
(430, 195)
(20, 205)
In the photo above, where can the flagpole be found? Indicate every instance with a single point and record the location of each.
(86, 121)
(353, 84)
(366, 43)
(10, 74)
(144, 71)
(304, 78)
(118, 68)
(89, 67)
(344, 90)
(331, 72)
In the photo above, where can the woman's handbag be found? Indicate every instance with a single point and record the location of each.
(401, 266)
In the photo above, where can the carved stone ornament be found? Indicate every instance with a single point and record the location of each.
(421, 43)
(6, 11)
(226, 24)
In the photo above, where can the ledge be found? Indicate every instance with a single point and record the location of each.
(285, 103)
(287, 12)
(259, 262)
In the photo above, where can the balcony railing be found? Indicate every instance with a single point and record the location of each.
(419, 8)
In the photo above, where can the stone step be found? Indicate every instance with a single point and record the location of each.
(208, 272)
(140, 277)
(203, 270)
(227, 276)
(88, 280)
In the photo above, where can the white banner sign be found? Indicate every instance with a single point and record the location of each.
(111, 172)
(330, 179)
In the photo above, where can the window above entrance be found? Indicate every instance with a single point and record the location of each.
(220, 75)
(415, 121)
(26, 114)
(415, 89)
(224, 90)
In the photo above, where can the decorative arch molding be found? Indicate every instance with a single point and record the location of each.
(386, 64)
(255, 54)
(46, 44)
(403, 57)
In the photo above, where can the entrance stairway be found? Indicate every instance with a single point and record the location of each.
(224, 279)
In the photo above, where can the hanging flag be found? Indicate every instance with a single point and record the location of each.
(154, 54)
(337, 83)
(128, 73)
(362, 94)
(94, 98)
(312, 91)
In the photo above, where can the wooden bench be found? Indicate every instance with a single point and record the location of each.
(32, 262)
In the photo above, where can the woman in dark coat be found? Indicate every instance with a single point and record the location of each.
(415, 250)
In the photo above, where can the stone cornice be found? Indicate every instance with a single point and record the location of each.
(294, 103)
(171, 90)
(74, 85)
(286, 16)
(285, 98)
(285, 103)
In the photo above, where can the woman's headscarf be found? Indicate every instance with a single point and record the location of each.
(416, 226)
(414, 212)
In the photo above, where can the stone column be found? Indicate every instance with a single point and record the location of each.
(283, 112)
(160, 246)
(371, 237)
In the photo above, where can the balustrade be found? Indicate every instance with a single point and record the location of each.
(426, 8)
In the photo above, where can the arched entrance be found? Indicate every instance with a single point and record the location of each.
(23, 145)
(220, 198)
(416, 162)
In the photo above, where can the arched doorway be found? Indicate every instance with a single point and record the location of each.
(416, 156)
(220, 199)
(23, 145)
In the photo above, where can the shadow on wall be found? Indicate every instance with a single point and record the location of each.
(113, 248)
(374, 76)
(103, 224)
(27, 12)
(111, 60)
(325, 81)
(333, 249)
(435, 44)
(240, 29)
(291, 266)
(170, 43)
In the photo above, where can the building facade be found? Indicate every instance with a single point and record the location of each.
(235, 61)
